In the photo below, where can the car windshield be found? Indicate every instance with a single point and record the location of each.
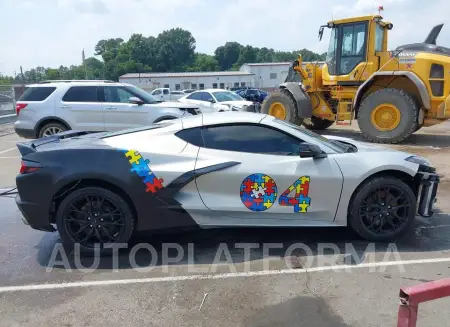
(336, 146)
(222, 96)
(142, 94)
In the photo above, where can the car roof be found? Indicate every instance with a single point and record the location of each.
(228, 117)
(76, 83)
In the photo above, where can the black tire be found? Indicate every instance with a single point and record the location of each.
(316, 123)
(358, 218)
(405, 103)
(111, 199)
(285, 98)
(53, 128)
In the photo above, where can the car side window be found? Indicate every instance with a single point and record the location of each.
(251, 139)
(156, 92)
(195, 96)
(192, 136)
(81, 94)
(117, 94)
(165, 91)
(206, 96)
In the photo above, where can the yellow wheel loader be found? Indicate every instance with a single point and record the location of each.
(392, 94)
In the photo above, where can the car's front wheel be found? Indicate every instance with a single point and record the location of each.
(92, 217)
(382, 209)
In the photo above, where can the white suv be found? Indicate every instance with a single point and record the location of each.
(52, 107)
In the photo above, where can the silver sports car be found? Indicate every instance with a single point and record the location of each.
(218, 170)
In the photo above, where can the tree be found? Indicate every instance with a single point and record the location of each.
(204, 63)
(175, 49)
(108, 45)
(228, 54)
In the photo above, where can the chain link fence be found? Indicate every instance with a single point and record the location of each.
(7, 100)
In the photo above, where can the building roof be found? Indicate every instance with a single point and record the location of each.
(269, 63)
(186, 74)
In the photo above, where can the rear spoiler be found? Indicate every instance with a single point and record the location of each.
(30, 147)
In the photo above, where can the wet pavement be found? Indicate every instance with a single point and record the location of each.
(299, 286)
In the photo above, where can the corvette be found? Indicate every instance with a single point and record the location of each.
(217, 170)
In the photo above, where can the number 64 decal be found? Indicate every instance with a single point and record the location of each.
(259, 193)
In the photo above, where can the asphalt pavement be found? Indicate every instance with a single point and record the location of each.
(315, 276)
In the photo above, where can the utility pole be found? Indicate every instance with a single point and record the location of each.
(84, 64)
(21, 74)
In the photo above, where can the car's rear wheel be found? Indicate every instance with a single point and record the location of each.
(382, 209)
(51, 129)
(93, 217)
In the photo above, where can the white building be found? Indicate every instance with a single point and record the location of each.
(189, 80)
(267, 75)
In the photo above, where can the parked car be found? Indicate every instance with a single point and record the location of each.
(218, 170)
(166, 94)
(255, 95)
(57, 106)
(211, 100)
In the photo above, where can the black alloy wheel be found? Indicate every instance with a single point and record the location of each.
(383, 209)
(93, 217)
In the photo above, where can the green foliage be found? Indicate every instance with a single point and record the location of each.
(172, 50)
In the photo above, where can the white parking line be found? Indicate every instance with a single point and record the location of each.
(8, 289)
(7, 150)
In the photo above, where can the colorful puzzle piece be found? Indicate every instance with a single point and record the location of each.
(140, 166)
(133, 156)
(258, 192)
(300, 201)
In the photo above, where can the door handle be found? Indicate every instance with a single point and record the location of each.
(111, 108)
(65, 107)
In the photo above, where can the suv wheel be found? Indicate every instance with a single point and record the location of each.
(52, 129)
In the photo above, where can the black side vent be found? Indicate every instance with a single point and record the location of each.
(437, 80)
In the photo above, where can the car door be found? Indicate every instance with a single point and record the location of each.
(158, 94)
(269, 182)
(119, 112)
(199, 98)
(82, 108)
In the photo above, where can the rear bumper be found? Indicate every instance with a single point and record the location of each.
(427, 193)
(34, 215)
(25, 133)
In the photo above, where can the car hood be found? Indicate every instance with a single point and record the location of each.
(238, 104)
(174, 104)
(362, 146)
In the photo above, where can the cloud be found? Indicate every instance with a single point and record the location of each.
(85, 6)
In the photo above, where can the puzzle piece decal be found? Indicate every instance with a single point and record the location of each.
(300, 201)
(141, 167)
(258, 192)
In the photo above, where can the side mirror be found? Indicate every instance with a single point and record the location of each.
(211, 100)
(135, 100)
(307, 150)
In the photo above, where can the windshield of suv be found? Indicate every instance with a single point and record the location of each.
(227, 96)
(147, 97)
(336, 146)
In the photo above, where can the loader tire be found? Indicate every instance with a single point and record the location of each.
(388, 116)
(316, 123)
(281, 105)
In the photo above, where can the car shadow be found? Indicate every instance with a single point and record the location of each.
(432, 140)
(294, 245)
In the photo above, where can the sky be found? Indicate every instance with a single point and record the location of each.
(51, 33)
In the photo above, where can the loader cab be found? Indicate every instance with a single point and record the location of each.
(355, 49)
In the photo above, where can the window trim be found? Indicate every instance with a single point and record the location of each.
(38, 87)
(250, 124)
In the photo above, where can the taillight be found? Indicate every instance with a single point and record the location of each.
(20, 106)
(27, 167)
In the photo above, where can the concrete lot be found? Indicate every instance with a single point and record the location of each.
(293, 289)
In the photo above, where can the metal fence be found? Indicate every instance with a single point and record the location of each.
(7, 100)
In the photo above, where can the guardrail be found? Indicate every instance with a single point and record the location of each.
(411, 297)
